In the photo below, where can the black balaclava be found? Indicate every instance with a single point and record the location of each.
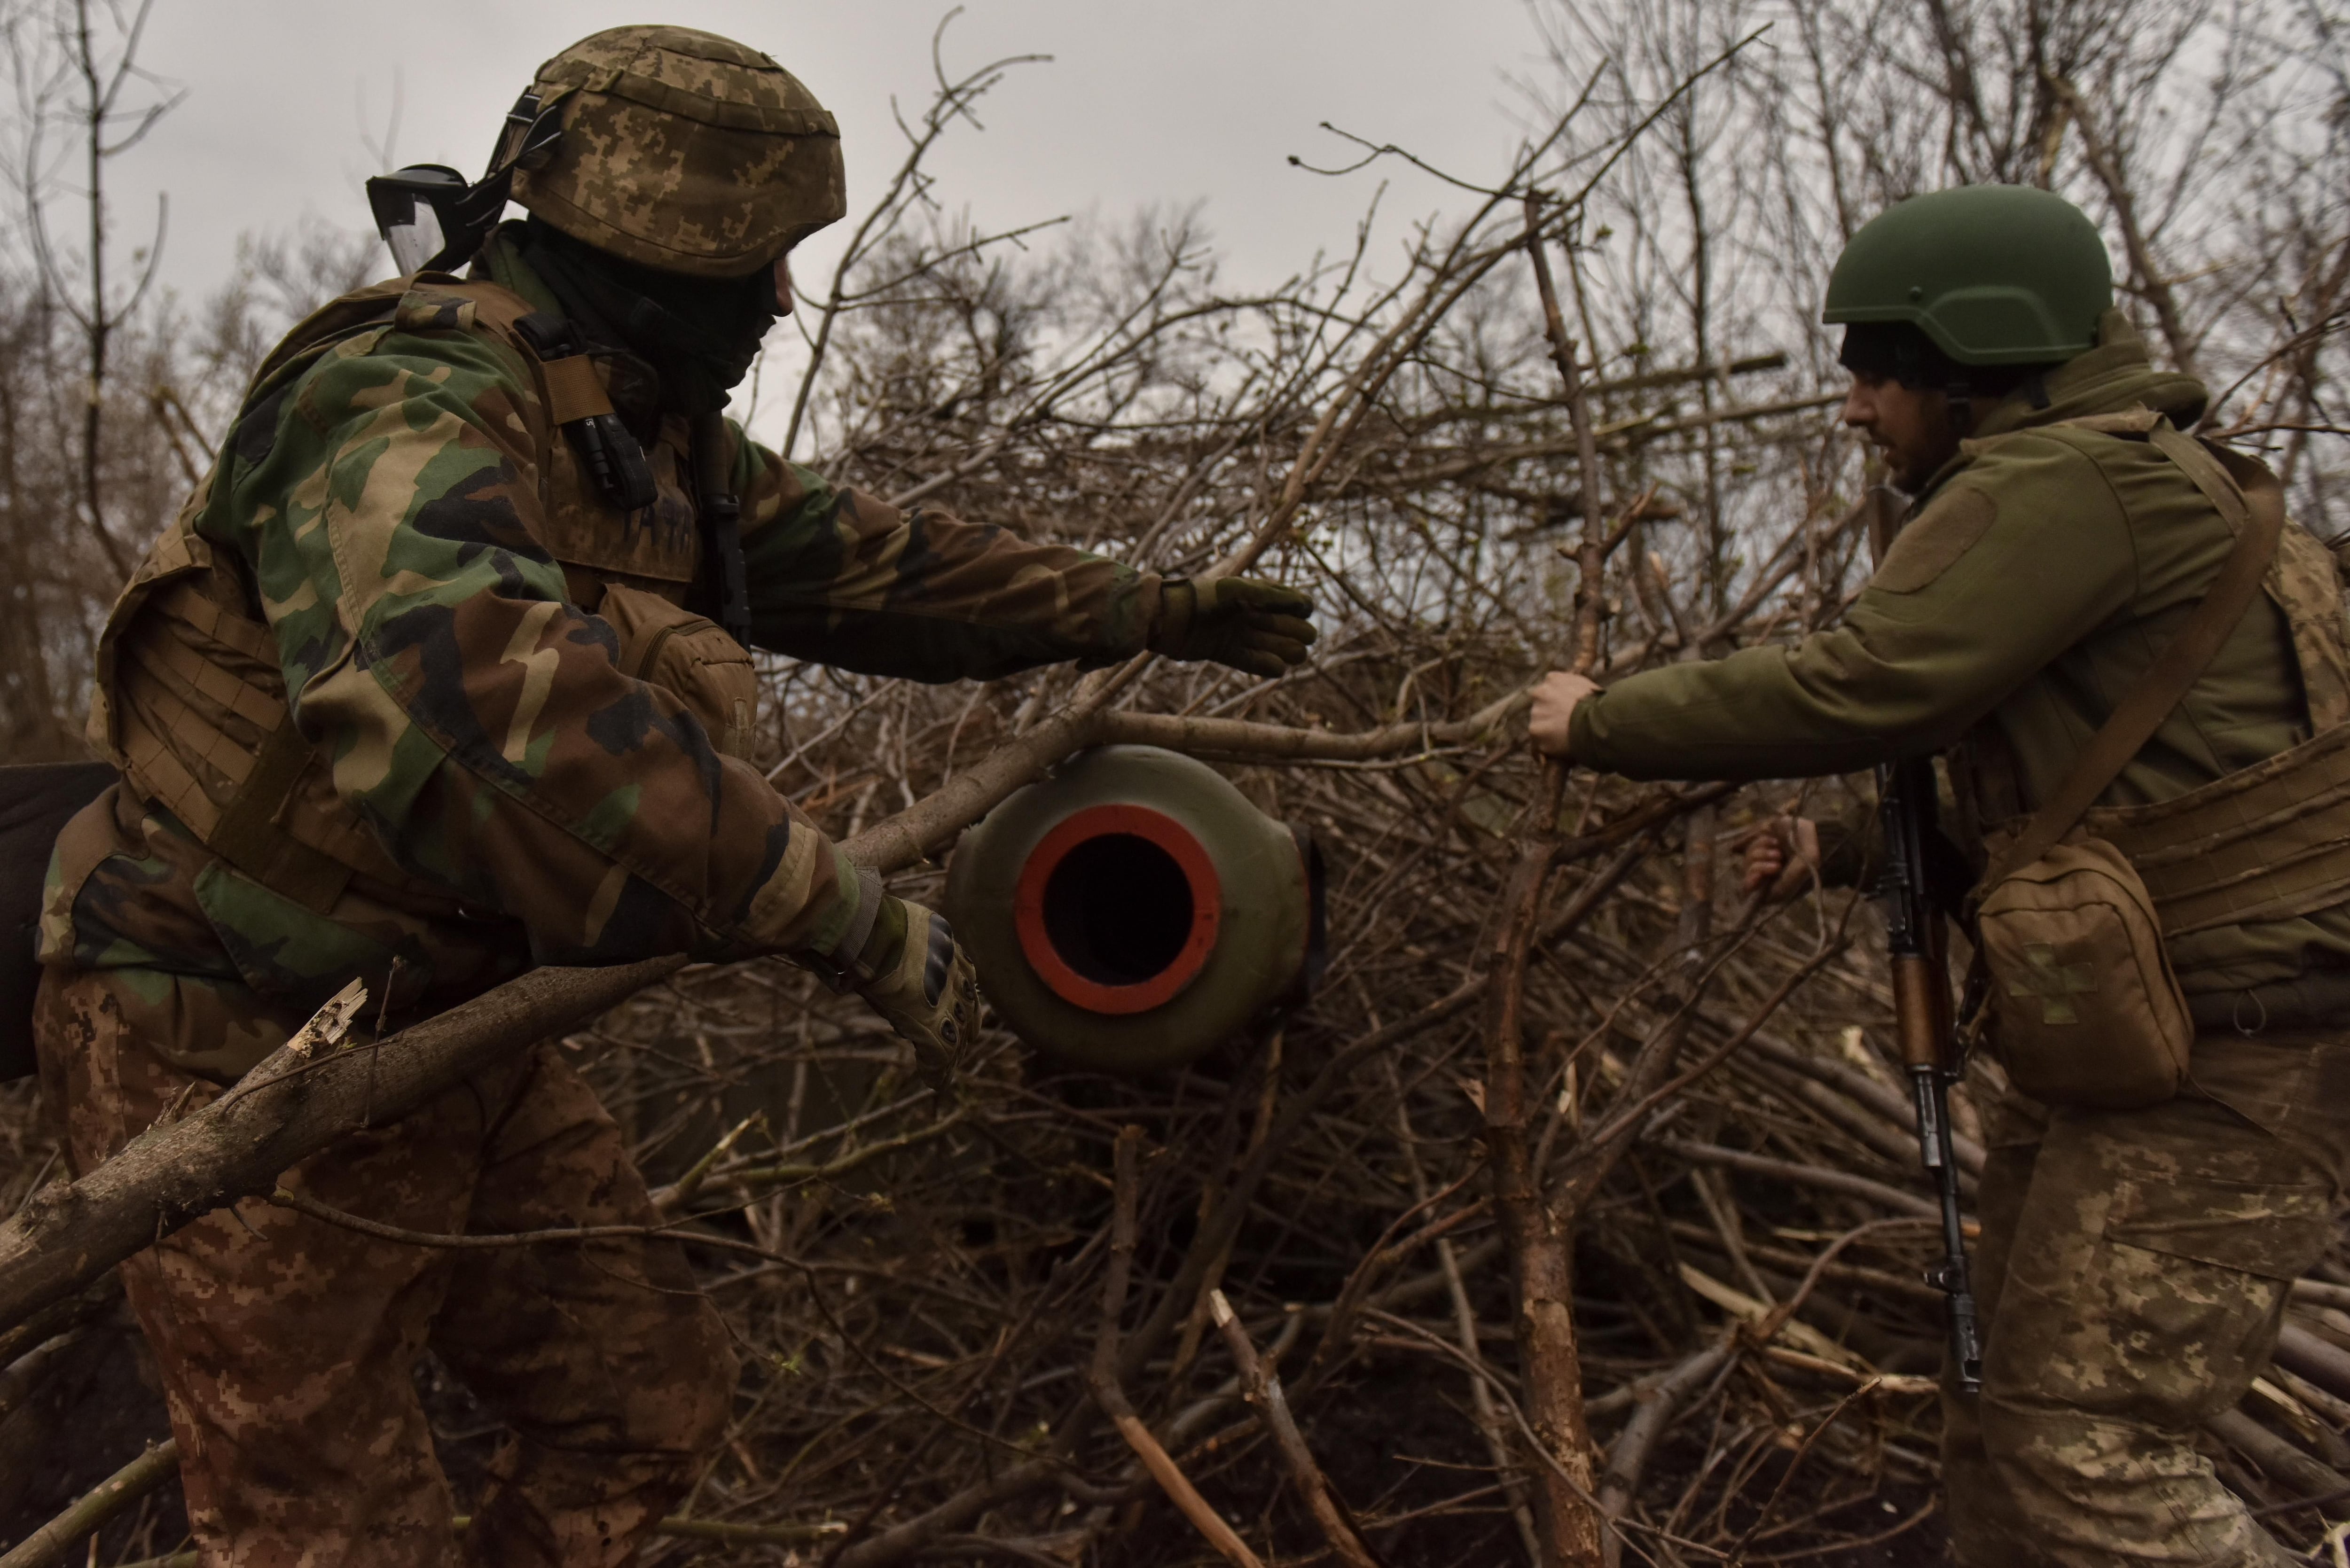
(699, 333)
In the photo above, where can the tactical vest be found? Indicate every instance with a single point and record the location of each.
(2265, 843)
(191, 703)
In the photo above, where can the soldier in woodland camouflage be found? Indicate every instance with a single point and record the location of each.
(440, 675)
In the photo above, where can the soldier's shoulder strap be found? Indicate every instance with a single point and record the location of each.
(2301, 579)
(2250, 498)
(573, 391)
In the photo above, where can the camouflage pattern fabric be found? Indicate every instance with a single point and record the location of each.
(839, 576)
(685, 151)
(398, 561)
(2131, 1275)
(427, 555)
(286, 1345)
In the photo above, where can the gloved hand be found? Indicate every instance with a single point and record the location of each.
(1244, 622)
(913, 972)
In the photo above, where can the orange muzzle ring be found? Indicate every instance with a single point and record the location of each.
(1117, 908)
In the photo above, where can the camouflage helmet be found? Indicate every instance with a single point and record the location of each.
(681, 151)
(1993, 274)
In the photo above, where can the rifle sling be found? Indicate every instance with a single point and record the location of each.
(2251, 501)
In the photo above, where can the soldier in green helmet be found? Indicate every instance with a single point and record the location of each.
(442, 673)
(2133, 1261)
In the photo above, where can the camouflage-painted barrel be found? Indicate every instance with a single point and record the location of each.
(1133, 909)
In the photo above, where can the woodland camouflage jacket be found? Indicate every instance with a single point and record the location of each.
(486, 785)
(2037, 576)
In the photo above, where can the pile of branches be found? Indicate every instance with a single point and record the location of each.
(1575, 1217)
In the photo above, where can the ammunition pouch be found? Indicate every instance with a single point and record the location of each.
(2086, 1008)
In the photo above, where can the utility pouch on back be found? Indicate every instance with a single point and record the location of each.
(2085, 1007)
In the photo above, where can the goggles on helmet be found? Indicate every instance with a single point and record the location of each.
(432, 219)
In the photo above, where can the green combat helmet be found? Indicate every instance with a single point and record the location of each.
(673, 149)
(1993, 274)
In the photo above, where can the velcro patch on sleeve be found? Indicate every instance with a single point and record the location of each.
(1932, 542)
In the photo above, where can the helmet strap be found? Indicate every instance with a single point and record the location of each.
(463, 215)
(533, 126)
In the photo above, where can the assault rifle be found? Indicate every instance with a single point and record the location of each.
(1914, 934)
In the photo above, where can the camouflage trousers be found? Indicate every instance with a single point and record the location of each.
(2132, 1274)
(287, 1345)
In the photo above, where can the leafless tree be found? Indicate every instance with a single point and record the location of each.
(1559, 1058)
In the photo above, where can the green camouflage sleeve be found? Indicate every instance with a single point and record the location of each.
(475, 719)
(838, 577)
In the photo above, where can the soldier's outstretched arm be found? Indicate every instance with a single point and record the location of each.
(839, 578)
(1975, 597)
(477, 721)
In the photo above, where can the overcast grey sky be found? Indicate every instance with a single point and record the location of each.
(1141, 103)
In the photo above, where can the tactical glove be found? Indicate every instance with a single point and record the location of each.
(1244, 622)
(914, 974)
